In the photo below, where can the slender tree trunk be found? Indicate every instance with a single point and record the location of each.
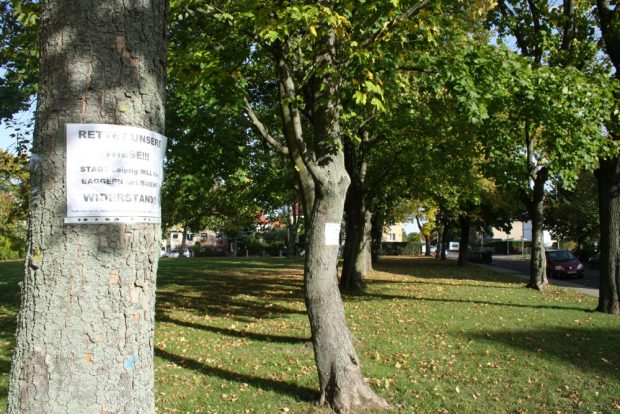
(340, 377)
(538, 271)
(356, 248)
(465, 224)
(85, 331)
(324, 186)
(376, 235)
(427, 238)
(356, 217)
(608, 176)
(439, 248)
(444, 241)
(291, 232)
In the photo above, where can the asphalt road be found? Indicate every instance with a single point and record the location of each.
(519, 264)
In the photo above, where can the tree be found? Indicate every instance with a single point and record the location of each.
(14, 190)
(608, 172)
(85, 330)
(309, 52)
(573, 215)
(559, 48)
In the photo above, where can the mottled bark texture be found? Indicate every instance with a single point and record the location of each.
(538, 270)
(324, 182)
(356, 258)
(85, 331)
(608, 176)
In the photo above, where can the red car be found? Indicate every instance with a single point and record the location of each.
(562, 263)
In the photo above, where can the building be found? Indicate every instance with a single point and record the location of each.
(394, 233)
(521, 231)
(210, 241)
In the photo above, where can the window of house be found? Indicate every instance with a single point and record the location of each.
(392, 236)
(190, 236)
(203, 236)
(175, 235)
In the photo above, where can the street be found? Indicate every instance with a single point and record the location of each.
(521, 264)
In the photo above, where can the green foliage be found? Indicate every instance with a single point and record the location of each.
(573, 215)
(14, 191)
(19, 55)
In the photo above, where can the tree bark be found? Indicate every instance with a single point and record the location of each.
(608, 176)
(324, 182)
(357, 220)
(376, 235)
(85, 331)
(465, 224)
(444, 241)
(538, 271)
(357, 252)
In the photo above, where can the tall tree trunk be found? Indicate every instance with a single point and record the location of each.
(608, 176)
(427, 237)
(85, 331)
(444, 241)
(538, 271)
(324, 186)
(340, 378)
(357, 216)
(439, 248)
(357, 254)
(376, 238)
(465, 224)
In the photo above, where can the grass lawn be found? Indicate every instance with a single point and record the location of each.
(232, 337)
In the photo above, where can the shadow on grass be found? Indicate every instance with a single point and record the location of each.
(233, 288)
(593, 350)
(430, 268)
(373, 296)
(237, 334)
(285, 388)
(420, 282)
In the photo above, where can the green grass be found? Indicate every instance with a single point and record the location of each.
(232, 337)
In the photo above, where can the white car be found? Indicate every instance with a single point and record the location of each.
(177, 253)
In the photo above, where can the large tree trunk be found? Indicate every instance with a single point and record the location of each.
(608, 176)
(324, 186)
(465, 224)
(357, 250)
(538, 271)
(376, 238)
(85, 331)
(340, 377)
(357, 220)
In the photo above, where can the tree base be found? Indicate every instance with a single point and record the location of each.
(537, 286)
(350, 394)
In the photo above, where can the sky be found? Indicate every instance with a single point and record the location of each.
(6, 142)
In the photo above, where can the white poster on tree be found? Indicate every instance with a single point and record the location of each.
(114, 174)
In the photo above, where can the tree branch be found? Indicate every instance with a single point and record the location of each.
(405, 15)
(275, 144)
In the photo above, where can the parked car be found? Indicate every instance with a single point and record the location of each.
(563, 263)
(595, 261)
(178, 253)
